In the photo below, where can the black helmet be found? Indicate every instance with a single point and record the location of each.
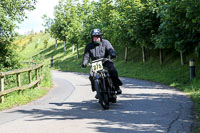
(96, 32)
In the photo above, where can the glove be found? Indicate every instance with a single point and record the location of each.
(112, 55)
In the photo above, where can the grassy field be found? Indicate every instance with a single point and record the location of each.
(171, 73)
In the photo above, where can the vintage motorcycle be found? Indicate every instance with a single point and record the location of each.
(103, 83)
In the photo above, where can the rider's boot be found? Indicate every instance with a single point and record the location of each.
(119, 91)
(96, 96)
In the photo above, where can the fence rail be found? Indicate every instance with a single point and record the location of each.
(18, 79)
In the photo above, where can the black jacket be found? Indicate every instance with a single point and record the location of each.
(97, 51)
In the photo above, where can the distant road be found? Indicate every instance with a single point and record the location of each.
(70, 107)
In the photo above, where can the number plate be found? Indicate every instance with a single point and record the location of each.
(97, 66)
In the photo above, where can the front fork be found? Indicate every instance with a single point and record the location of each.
(101, 78)
(96, 77)
(92, 83)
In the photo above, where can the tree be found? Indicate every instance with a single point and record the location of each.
(123, 24)
(179, 25)
(146, 25)
(75, 25)
(11, 11)
(149, 24)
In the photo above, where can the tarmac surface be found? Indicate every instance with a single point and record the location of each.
(70, 107)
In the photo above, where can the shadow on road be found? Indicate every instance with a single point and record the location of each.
(141, 113)
(135, 112)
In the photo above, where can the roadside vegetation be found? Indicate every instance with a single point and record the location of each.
(25, 47)
(12, 12)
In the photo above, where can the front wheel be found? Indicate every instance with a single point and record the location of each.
(103, 97)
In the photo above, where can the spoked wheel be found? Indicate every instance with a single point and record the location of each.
(105, 101)
(103, 97)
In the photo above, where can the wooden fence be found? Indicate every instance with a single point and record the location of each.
(18, 79)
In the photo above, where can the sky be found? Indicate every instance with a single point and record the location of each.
(34, 20)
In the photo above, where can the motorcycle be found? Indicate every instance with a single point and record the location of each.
(103, 83)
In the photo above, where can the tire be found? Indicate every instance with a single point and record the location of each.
(105, 102)
(103, 97)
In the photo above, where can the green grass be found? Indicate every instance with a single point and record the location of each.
(14, 99)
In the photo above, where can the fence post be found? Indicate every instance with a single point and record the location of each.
(30, 76)
(37, 75)
(2, 88)
(19, 82)
(42, 72)
(192, 69)
(51, 61)
(36, 72)
(42, 69)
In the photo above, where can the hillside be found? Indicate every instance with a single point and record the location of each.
(170, 73)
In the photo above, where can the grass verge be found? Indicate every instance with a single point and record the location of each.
(14, 99)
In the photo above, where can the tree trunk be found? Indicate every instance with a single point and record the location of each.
(161, 56)
(64, 45)
(77, 51)
(143, 54)
(56, 44)
(126, 53)
(182, 58)
(73, 48)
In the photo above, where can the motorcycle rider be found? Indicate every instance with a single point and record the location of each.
(101, 48)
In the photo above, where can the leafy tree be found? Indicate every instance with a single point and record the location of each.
(87, 9)
(11, 11)
(123, 24)
(179, 25)
(146, 25)
(127, 24)
(75, 25)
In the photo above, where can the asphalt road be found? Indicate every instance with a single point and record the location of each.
(70, 107)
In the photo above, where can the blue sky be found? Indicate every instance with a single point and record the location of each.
(34, 20)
